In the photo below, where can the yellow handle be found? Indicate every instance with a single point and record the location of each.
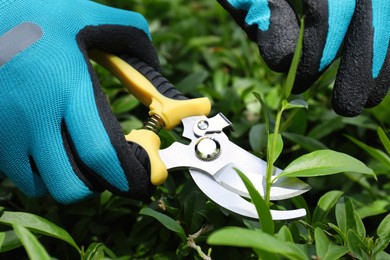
(170, 110)
(151, 143)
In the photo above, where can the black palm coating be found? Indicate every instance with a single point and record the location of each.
(277, 44)
(133, 42)
(315, 34)
(355, 87)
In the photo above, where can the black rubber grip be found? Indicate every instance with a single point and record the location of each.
(141, 155)
(159, 81)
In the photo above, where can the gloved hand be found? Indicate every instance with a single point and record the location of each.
(57, 132)
(364, 74)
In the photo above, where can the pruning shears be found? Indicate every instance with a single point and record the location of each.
(211, 158)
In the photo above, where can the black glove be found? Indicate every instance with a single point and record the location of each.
(364, 74)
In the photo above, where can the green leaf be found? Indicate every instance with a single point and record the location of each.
(356, 245)
(335, 252)
(258, 137)
(285, 235)
(322, 243)
(97, 251)
(308, 143)
(10, 241)
(37, 224)
(383, 230)
(300, 202)
(325, 162)
(167, 222)
(193, 204)
(338, 231)
(240, 237)
(262, 208)
(265, 110)
(296, 103)
(360, 228)
(325, 204)
(33, 248)
(377, 207)
(384, 139)
(2, 237)
(378, 154)
(289, 83)
(124, 104)
(193, 80)
(277, 150)
(326, 127)
(345, 215)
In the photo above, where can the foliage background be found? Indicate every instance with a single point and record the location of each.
(204, 53)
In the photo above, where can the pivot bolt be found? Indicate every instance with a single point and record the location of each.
(207, 149)
(203, 125)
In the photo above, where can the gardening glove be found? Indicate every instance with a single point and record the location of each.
(363, 77)
(57, 132)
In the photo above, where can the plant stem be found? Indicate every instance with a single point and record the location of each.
(271, 155)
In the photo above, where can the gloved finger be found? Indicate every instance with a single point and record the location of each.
(116, 31)
(59, 169)
(326, 23)
(273, 25)
(16, 161)
(363, 75)
(17, 165)
(99, 142)
(381, 84)
(381, 48)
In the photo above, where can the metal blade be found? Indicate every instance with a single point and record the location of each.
(283, 188)
(233, 202)
(212, 153)
(222, 169)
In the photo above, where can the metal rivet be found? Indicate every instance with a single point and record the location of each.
(207, 149)
(203, 125)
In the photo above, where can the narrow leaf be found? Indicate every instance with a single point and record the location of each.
(2, 237)
(274, 152)
(167, 222)
(239, 237)
(297, 103)
(264, 109)
(325, 162)
(377, 154)
(384, 228)
(360, 228)
(33, 248)
(262, 208)
(345, 215)
(325, 204)
(285, 235)
(322, 242)
(335, 252)
(10, 242)
(308, 143)
(384, 139)
(37, 224)
(356, 245)
(377, 207)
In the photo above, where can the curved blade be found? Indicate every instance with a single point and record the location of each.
(233, 202)
(229, 156)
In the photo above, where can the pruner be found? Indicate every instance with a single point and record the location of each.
(211, 158)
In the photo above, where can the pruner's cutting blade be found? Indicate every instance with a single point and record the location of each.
(212, 153)
(234, 203)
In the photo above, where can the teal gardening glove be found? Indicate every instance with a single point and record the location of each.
(57, 132)
(363, 77)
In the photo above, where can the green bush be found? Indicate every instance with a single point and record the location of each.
(204, 53)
